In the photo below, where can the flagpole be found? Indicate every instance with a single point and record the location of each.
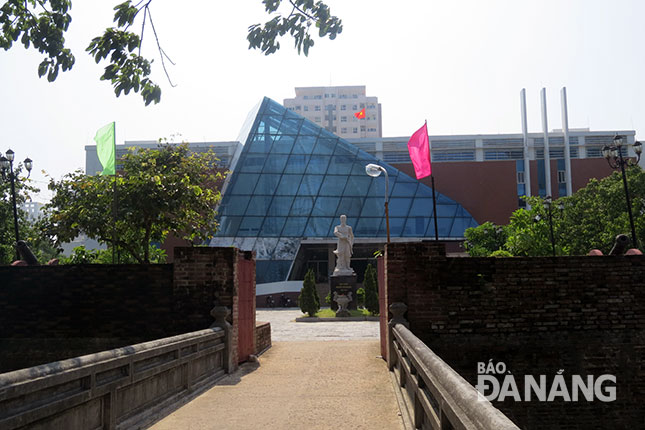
(434, 199)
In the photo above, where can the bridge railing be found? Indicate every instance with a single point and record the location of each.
(433, 394)
(123, 388)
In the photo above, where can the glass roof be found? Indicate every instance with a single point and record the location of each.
(294, 179)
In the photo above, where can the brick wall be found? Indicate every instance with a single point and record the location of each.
(585, 315)
(55, 312)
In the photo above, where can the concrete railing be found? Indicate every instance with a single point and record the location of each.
(122, 388)
(434, 396)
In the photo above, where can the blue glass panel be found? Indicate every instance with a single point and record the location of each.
(325, 146)
(269, 124)
(325, 206)
(288, 185)
(367, 227)
(275, 163)
(294, 226)
(317, 227)
(259, 205)
(345, 149)
(280, 206)
(271, 270)
(364, 156)
(267, 184)
(417, 226)
(399, 207)
(421, 207)
(377, 186)
(357, 185)
(521, 189)
(424, 191)
(252, 163)
(397, 226)
(229, 225)
(459, 227)
(291, 125)
(541, 178)
(260, 143)
(282, 144)
(304, 145)
(402, 188)
(327, 134)
(318, 164)
(297, 163)
(274, 108)
(244, 183)
(291, 115)
(340, 165)
(441, 199)
(445, 225)
(272, 226)
(519, 165)
(250, 226)
(358, 168)
(446, 210)
(350, 206)
(236, 205)
(302, 206)
(309, 129)
(373, 206)
(310, 185)
(333, 185)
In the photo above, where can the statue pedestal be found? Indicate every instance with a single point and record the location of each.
(343, 284)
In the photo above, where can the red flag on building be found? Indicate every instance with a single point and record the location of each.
(419, 148)
(360, 114)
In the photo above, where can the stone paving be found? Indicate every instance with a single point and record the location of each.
(284, 327)
(301, 383)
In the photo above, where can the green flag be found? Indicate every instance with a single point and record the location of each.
(106, 148)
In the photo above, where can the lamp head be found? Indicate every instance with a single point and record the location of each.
(618, 140)
(638, 147)
(9, 154)
(373, 170)
(28, 164)
(4, 164)
(606, 152)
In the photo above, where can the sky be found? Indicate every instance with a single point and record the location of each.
(458, 64)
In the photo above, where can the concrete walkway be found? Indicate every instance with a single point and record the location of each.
(342, 384)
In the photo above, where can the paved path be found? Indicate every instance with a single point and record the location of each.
(301, 385)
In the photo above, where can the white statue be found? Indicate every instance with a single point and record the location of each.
(343, 251)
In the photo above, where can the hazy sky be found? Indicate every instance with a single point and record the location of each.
(459, 64)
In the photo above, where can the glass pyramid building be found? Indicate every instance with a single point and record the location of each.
(293, 179)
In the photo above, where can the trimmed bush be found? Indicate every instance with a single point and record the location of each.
(360, 297)
(307, 299)
(370, 284)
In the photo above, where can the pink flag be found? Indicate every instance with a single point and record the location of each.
(420, 152)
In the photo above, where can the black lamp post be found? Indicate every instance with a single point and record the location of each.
(614, 156)
(6, 167)
(548, 206)
(374, 170)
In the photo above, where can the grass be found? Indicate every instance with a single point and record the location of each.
(328, 313)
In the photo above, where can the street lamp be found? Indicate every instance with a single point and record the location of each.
(614, 156)
(374, 170)
(6, 167)
(548, 205)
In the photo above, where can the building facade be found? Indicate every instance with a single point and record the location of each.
(334, 109)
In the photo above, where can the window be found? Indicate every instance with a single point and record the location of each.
(562, 178)
(318, 97)
(343, 107)
(317, 108)
(520, 177)
(362, 128)
(317, 119)
(354, 130)
(371, 129)
(298, 107)
(343, 130)
(354, 96)
(355, 107)
(305, 108)
(343, 119)
(306, 97)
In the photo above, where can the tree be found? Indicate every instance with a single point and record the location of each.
(370, 284)
(159, 191)
(483, 240)
(43, 23)
(306, 300)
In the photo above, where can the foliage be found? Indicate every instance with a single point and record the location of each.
(501, 253)
(42, 24)
(328, 313)
(159, 191)
(307, 302)
(360, 297)
(81, 255)
(302, 14)
(370, 284)
(328, 299)
(485, 239)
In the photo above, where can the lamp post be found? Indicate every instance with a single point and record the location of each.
(6, 167)
(548, 206)
(614, 156)
(374, 170)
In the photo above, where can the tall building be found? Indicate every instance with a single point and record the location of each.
(334, 109)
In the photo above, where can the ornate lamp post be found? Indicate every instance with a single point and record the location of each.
(614, 156)
(6, 167)
(374, 170)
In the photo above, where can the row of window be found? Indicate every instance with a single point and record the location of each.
(330, 96)
(319, 108)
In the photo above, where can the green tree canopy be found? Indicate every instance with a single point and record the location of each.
(42, 24)
(159, 191)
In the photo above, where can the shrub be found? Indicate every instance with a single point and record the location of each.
(360, 297)
(307, 301)
(371, 290)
